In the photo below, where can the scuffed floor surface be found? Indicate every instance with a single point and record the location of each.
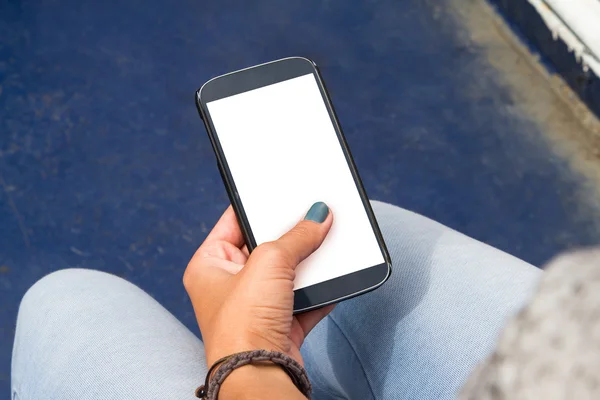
(105, 164)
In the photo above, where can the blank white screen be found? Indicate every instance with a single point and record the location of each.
(284, 155)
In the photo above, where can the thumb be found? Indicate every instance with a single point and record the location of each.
(306, 237)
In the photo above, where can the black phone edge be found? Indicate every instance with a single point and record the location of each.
(363, 196)
(226, 177)
(238, 207)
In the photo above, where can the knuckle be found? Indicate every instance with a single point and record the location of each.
(287, 258)
(301, 231)
(275, 254)
(188, 276)
(191, 274)
(306, 236)
(267, 249)
(191, 270)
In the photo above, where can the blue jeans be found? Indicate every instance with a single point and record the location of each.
(85, 334)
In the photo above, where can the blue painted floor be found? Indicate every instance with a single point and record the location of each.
(105, 164)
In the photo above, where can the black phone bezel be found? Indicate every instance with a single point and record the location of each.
(327, 292)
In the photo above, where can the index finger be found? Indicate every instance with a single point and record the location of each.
(227, 229)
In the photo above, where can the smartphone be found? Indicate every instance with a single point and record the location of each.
(280, 148)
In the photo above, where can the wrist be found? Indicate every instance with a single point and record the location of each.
(259, 381)
(221, 346)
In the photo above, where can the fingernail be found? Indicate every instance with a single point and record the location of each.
(318, 212)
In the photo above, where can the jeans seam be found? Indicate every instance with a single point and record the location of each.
(355, 354)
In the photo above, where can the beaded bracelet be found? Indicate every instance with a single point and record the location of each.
(223, 367)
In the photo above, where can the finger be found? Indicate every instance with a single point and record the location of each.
(227, 229)
(223, 250)
(208, 274)
(306, 237)
(310, 319)
(229, 266)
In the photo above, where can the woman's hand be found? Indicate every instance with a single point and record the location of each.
(245, 302)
